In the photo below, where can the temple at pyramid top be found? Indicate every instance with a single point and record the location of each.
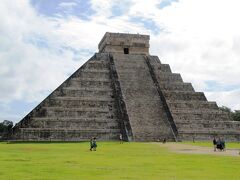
(124, 43)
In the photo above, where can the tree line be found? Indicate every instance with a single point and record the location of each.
(234, 115)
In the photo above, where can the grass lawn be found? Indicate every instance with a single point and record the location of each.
(70, 161)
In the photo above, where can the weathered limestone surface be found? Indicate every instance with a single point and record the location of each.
(145, 110)
(122, 89)
(81, 108)
(193, 115)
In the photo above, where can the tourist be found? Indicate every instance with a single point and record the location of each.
(219, 144)
(91, 144)
(94, 144)
(214, 144)
(164, 140)
(120, 138)
(193, 139)
(223, 144)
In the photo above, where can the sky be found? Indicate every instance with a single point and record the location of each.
(43, 42)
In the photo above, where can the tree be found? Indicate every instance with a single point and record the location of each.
(236, 115)
(226, 109)
(5, 129)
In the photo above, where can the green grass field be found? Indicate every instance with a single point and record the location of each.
(70, 161)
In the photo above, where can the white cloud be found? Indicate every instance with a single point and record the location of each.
(200, 39)
(226, 98)
(26, 69)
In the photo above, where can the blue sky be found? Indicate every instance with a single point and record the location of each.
(43, 42)
(80, 8)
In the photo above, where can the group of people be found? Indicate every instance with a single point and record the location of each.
(219, 144)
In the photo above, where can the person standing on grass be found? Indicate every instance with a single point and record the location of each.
(120, 138)
(94, 144)
(219, 144)
(214, 144)
(91, 144)
(223, 144)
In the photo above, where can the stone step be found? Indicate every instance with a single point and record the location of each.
(80, 130)
(83, 125)
(104, 71)
(78, 102)
(128, 57)
(130, 61)
(97, 65)
(204, 121)
(98, 74)
(75, 112)
(229, 131)
(130, 67)
(109, 123)
(158, 66)
(126, 72)
(131, 64)
(87, 88)
(80, 109)
(162, 68)
(126, 64)
(87, 92)
(205, 126)
(182, 95)
(68, 135)
(151, 138)
(197, 111)
(177, 86)
(169, 77)
(74, 119)
(96, 78)
(165, 68)
(97, 61)
(86, 99)
(192, 104)
(77, 121)
(90, 82)
(101, 56)
(195, 117)
(84, 114)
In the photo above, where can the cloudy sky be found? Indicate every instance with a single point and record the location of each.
(42, 42)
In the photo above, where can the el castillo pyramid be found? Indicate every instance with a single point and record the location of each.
(123, 89)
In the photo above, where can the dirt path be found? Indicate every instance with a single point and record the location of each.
(190, 149)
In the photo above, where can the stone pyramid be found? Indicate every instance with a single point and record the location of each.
(123, 89)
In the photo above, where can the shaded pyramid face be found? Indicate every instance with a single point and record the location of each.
(122, 89)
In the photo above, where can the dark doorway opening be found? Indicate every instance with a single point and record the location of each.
(126, 51)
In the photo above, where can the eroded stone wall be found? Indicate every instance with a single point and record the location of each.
(81, 108)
